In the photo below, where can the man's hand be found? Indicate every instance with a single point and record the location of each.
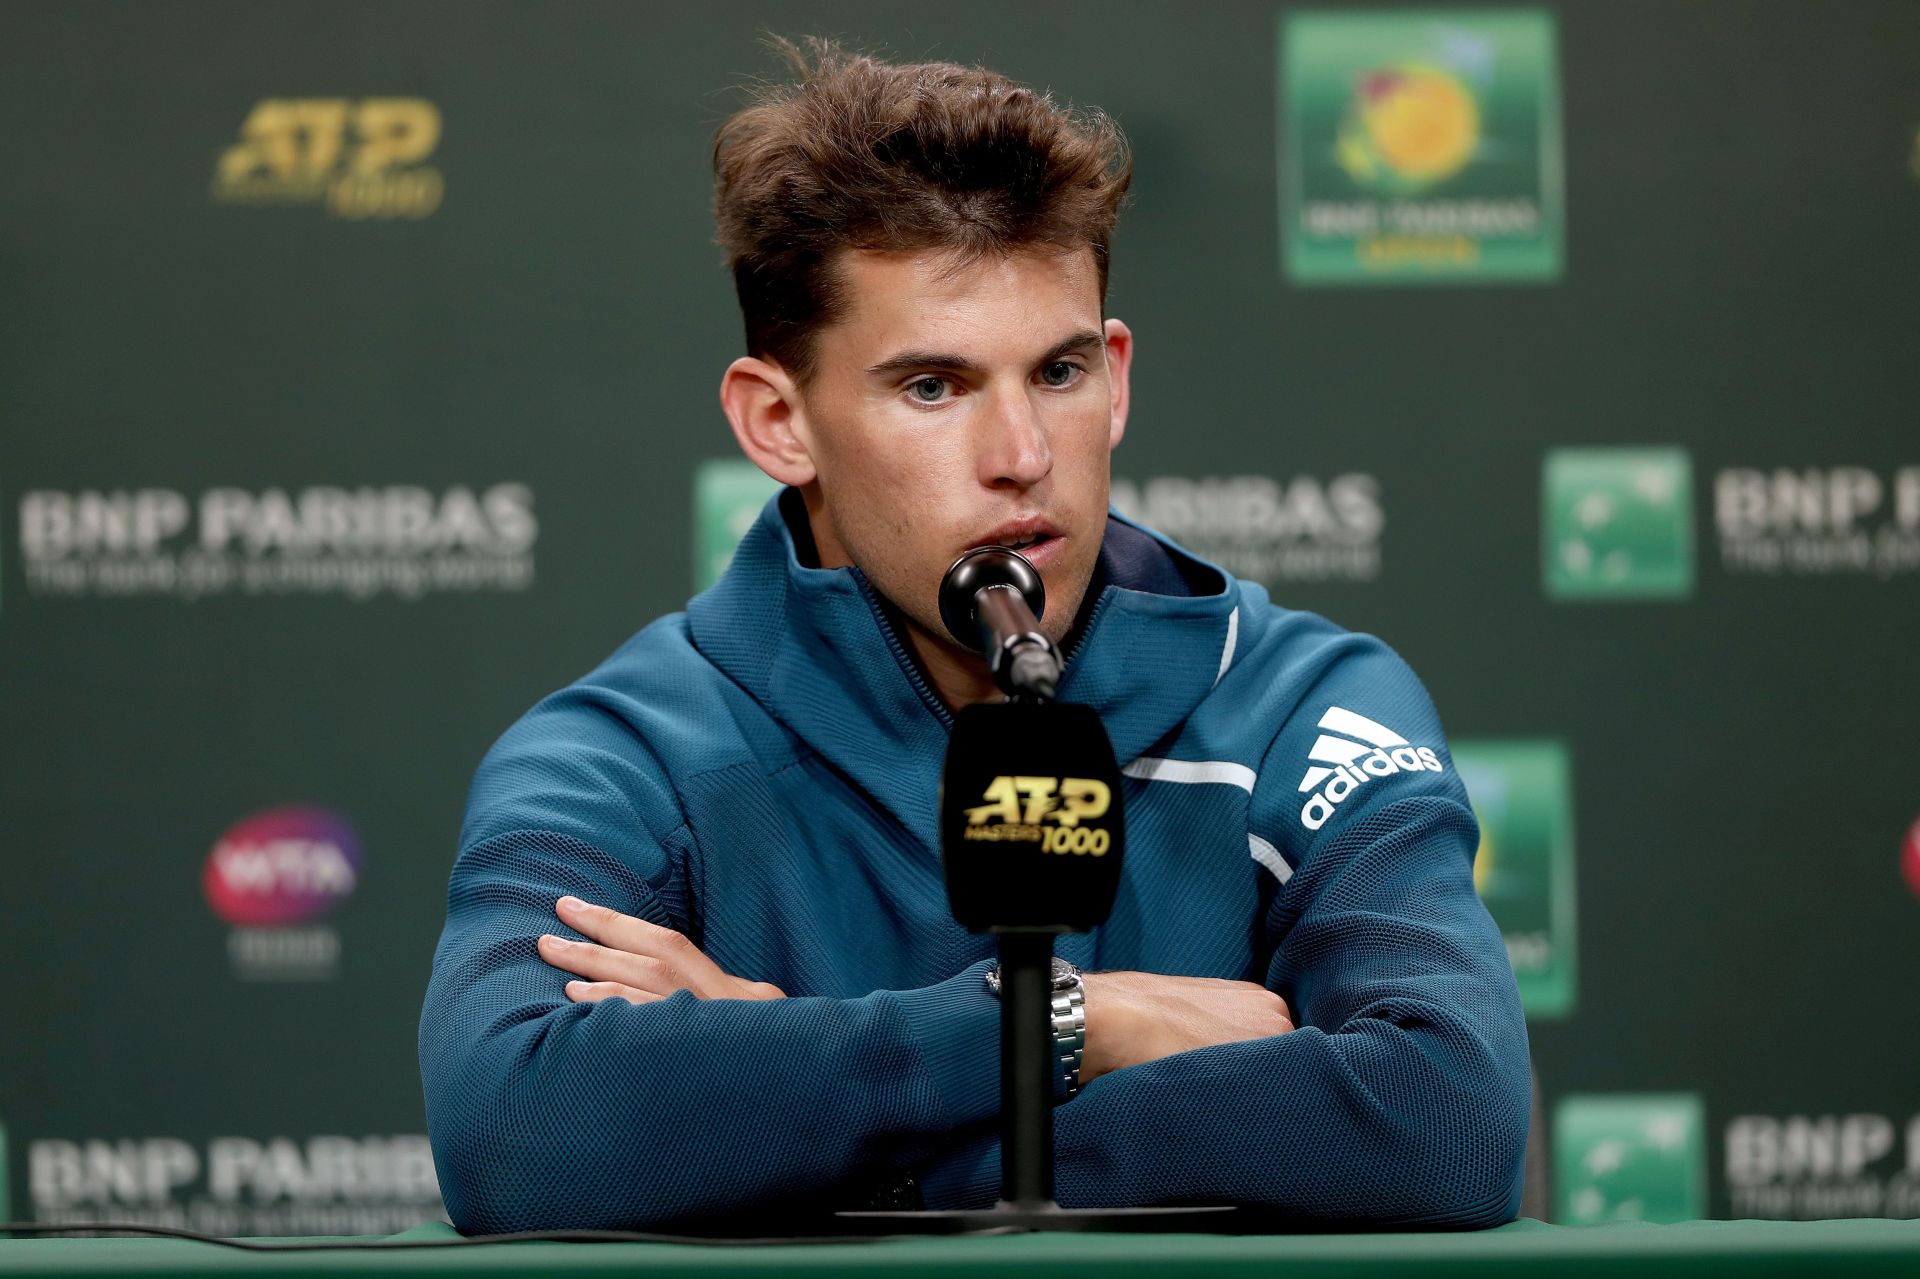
(1139, 1017)
(637, 961)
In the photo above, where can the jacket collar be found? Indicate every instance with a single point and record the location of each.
(817, 650)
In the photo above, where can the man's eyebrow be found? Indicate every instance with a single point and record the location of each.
(907, 361)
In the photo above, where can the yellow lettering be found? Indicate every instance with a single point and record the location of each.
(1082, 797)
(287, 138)
(1002, 802)
(393, 132)
(1039, 793)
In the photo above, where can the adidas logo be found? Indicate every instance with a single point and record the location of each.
(1378, 752)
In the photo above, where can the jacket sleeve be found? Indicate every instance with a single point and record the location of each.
(1403, 1096)
(546, 1114)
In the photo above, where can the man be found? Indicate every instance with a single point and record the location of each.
(698, 959)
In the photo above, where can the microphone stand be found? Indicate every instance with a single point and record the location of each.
(991, 600)
(1026, 1072)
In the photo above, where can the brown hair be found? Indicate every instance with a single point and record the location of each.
(866, 154)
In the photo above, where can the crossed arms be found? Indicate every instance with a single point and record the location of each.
(663, 1089)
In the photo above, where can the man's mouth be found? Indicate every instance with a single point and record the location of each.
(1033, 537)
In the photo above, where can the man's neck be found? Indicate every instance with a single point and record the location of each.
(958, 679)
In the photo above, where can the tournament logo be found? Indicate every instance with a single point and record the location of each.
(1629, 1157)
(1351, 752)
(274, 876)
(1523, 800)
(1617, 523)
(1420, 145)
(1408, 127)
(360, 158)
(727, 496)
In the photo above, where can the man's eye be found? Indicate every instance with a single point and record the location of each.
(927, 390)
(1059, 373)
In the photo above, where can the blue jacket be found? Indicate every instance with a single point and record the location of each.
(761, 774)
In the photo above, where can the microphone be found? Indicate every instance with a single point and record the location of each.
(992, 600)
(1032, 837)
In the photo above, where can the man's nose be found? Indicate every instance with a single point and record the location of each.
(1015, 451)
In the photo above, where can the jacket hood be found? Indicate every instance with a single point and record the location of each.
(817, 650)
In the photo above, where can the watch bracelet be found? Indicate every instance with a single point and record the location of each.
(1068, 1020)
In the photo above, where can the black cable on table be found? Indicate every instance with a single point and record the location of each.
(524, 1236)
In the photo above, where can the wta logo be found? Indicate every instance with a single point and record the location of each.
(283, 866)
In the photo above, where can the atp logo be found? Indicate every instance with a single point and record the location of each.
(1045, 811)
(361, 159)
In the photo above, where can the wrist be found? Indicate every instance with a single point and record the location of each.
(1109, 1026)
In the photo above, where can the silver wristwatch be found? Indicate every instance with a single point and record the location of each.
(1069, 1018)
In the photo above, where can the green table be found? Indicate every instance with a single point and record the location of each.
(1695, 1249)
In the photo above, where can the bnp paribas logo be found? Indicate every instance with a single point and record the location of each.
(1629, 1157)
(1617, 523)
(1523, 797)
(359, 158)
(1420, 145)
(727, 497)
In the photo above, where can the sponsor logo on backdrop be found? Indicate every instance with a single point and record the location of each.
(1269, 531)
(1818, 521)
(1617, 523)
(1420, 145)
(321, 1185)
(275, 877)
(358, 158)
(1629, 1157)
(1351, 752)
(727, 496)
(1522, 795)
(399, 540)
(1809, 1167)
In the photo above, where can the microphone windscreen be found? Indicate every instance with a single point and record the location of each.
(974, 572)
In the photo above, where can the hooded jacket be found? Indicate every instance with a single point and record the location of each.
(761, 774)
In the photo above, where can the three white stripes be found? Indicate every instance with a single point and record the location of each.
(1338, 750)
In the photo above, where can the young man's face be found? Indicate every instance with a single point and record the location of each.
(962, 407)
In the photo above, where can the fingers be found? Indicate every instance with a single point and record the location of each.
(637, 953)
(592, 992)
(623, 932)
(648, 973)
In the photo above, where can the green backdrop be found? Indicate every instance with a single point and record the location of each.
(357, 374)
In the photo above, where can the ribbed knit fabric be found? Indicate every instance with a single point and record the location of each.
(761, 773)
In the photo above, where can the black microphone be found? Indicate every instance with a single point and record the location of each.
(992, 600)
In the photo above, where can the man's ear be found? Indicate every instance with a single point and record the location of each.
(1119, 364)
(761, 402)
